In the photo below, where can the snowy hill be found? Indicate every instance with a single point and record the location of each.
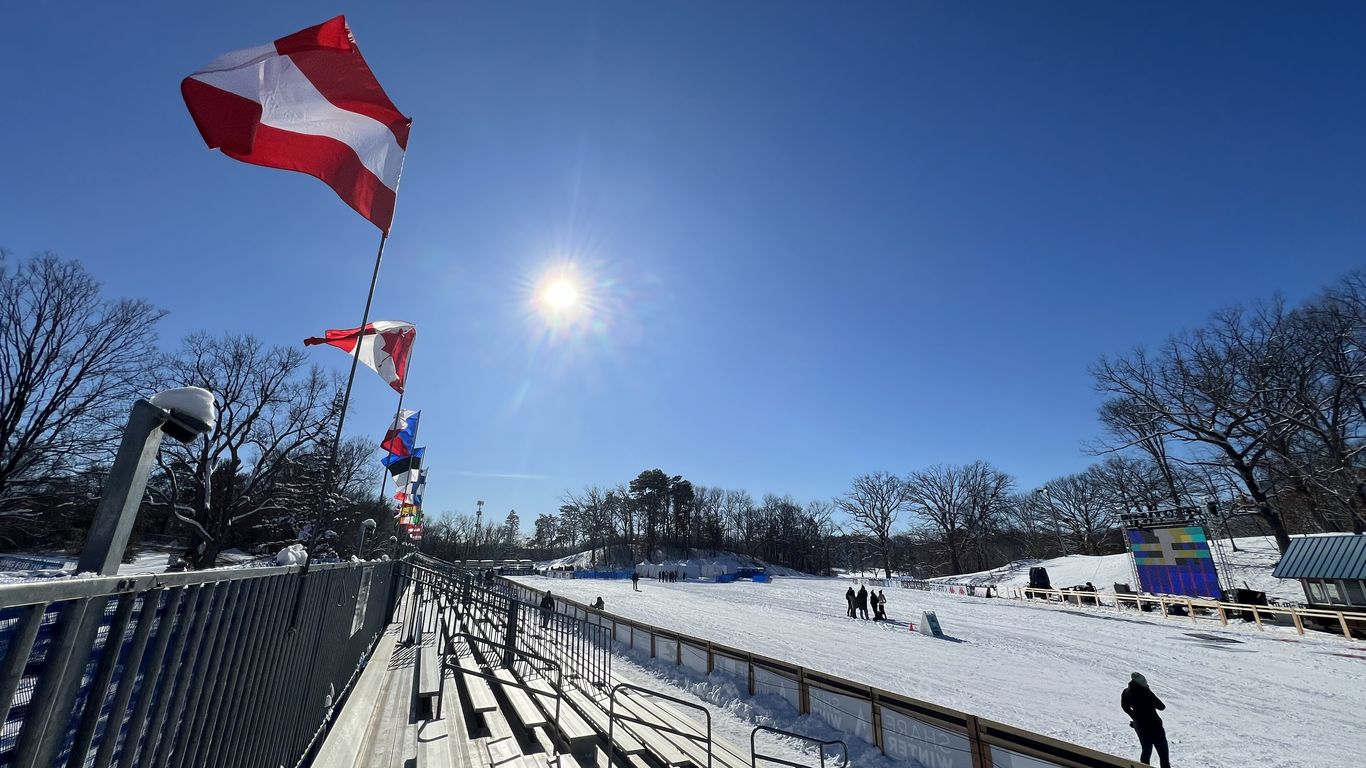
(696, 564)
(1249, 568)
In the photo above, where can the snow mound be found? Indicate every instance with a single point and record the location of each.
(294, 554)
(194, 402)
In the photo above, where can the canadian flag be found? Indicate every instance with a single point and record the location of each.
(309, 103)
(384, 347)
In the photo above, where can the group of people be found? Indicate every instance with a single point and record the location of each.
(667, 577)
(858, 601)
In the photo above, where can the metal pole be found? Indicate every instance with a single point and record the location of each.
(384, 477)
(123, 489)
(1057, 526)
(330, 474)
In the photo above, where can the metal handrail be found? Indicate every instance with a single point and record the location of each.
(821, 744)
(56, 590)
(455, 667)
(612, 717)
(212, 653)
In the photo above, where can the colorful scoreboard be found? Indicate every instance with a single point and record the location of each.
(1174, 560)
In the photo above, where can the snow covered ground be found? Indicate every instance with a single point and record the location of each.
(1248, 568)
(1235, 696)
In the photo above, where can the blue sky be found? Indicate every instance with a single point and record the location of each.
(819, 239)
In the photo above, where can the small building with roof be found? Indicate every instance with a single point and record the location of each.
(1332, 570)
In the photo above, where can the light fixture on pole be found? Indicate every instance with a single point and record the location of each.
(367, 527)
(1057, 526)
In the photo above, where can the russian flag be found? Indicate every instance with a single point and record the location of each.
(398, 441)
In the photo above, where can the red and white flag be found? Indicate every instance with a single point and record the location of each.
(384, 347)
(309, 103)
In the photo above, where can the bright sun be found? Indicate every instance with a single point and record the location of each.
(561, 295)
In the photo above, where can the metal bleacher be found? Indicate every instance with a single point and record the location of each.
(471, 677)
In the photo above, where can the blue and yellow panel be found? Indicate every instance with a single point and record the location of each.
(1174, 561)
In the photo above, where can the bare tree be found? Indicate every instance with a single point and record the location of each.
(1134, 482)
(874, 502)
(962, 505)
(711, 526)
(71, 365)
(1322, 455)
(1082, 508)
(593, 514)
(272, 413)
(1029, 528)
(742, 521)
(1216, 389)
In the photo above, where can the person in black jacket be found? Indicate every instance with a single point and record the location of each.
(862, 600)
(1141, 705)
(849, 598)
(547, 608)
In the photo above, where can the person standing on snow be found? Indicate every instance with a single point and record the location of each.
(849, 598)
(880, 606)
(635, 581)
(547, 608)
(1141, 705)
(862, 601)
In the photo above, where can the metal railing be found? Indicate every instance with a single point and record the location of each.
(528, 666)
(583, 648)
(184, 669)
(613, 716)
(755, 755)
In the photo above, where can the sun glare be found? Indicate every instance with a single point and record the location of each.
(561, 294)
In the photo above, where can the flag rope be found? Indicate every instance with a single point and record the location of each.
(331, 472)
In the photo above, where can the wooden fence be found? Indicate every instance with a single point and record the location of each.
(1196, 608)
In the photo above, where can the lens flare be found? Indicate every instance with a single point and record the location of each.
(561, 295)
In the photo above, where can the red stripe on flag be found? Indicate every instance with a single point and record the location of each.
(225, 120)
(327, 159)
(329, 58)
(347, 82)
(332, 34)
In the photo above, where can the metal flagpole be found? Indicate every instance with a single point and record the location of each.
(403, 377)
(398, 414)
(331, 472)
